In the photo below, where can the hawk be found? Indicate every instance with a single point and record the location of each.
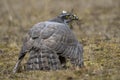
(50, 43)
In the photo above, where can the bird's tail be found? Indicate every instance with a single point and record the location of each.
(43, 60)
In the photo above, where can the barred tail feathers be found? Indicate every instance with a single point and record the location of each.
(43, 61)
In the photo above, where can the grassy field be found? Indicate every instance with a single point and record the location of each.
(99, 33)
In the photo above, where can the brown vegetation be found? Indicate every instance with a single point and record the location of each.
(99, 33)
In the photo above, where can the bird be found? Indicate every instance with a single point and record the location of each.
(50, 43)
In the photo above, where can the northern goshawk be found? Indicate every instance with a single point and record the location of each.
(50, 43)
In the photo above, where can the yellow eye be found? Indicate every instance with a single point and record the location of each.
(67, 17)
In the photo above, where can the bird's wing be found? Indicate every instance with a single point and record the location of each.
(60, 38)
(49, 40)
(42, 56)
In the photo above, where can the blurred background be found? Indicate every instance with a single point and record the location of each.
(99, 17)
(99, 32)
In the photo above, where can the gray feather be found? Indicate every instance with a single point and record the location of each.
(46, 42)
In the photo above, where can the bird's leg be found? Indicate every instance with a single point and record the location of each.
(62, 61)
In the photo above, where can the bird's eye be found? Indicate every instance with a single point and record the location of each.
(67, 16)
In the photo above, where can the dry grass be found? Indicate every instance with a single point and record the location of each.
(99, 33)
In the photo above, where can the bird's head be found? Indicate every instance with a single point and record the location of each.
(68, 16)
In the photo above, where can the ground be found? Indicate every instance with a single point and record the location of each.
(99, 32)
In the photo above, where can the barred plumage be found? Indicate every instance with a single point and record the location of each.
(40, 60)
(50, 43)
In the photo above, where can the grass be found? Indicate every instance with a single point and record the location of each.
(99, 33)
